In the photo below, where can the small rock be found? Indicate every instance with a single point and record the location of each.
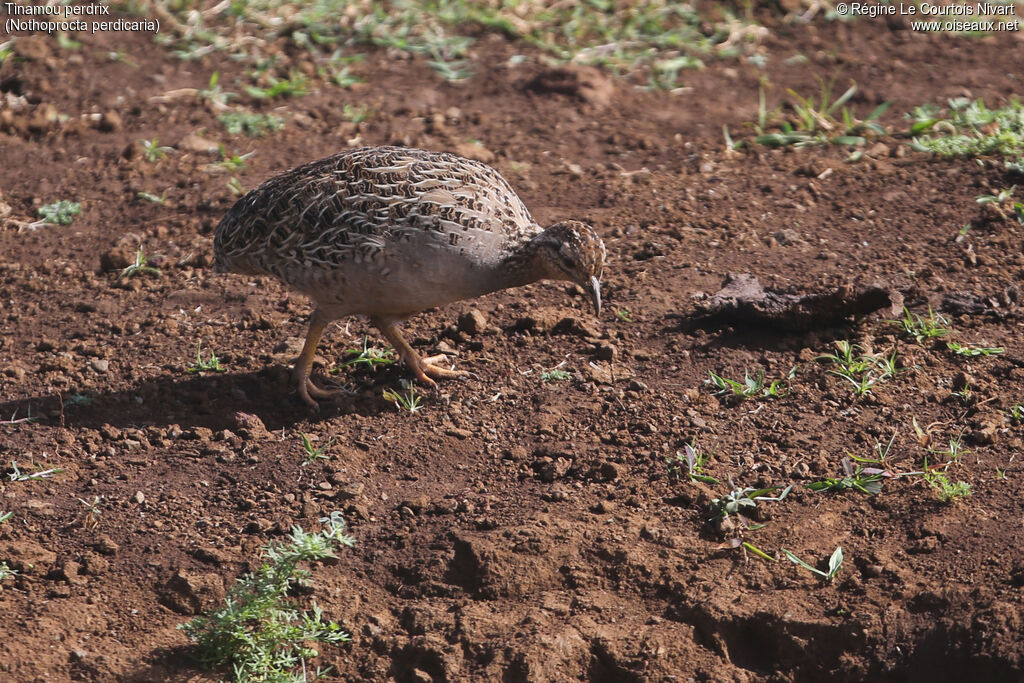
(249, 426)
(46, 345)
(140, 497)
(349, 491)
(192, 593)
(459, 433)
(100, 365)
(105, 545)
(472, 322)
(195, 143)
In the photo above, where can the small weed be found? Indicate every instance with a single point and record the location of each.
(1000, 474)
(962, 233)
(737, 500)
(152, 151)
(815, 121)
(62, 212)
(293, 86)
(370, 356)
(313, 454)
(92, 512)
(974, 351)
(864, 479)
(17, 475)
(947, 490)
(555, 375)
(624, 315)
(6, 572)
(4, 516)
(749, 387)
(261, 631)
(922, 329)
(970, 129)
(835, 563)
(1016, 412)
(211, 364)
(863, 371)
(409, 402)
(253, 125)
(355, 114)
(954, 450)
(747, 547)
(694, 459)
(235, 185)
(139, 266)
(233, 162)
(213, 93)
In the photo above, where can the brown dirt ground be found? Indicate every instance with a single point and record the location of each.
(514, 529)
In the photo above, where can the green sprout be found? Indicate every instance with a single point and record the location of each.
(695, 459)
(152, 151)
(313, 454)
(139, 266)
(211, 364)
(369, 356)
(922, 329)
(974, 351)
(409, 402)
(62, 212)
(835, 563)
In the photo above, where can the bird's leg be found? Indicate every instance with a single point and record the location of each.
(423, 368)
(318, 322)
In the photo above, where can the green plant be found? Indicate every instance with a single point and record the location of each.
(695, 459)
(6, 572)
(253, 125)
(139, 266)
(835, 563)
(409, 401)
(555, 375)
(862, 370)
(922, 329)
(737, 500)
(814, 121)
(955, 449)
(17, 475)
(233, 162)
(749, 387)
(211, 364)
(974, 351)
(370, 356)
(4, 516)
(62, 212)
(152, 151)
(260, 631)
(313, 454)
(293, 86)
(235, 185)
(948, 491)
(355, 114)
(624, 315)
(864, 479)
(970, 129)
(1016, 412)
(213, 93)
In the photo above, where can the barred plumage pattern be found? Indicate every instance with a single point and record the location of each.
(352, 206)
(388, 232)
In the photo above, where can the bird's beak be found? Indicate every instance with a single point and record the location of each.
(595, 295)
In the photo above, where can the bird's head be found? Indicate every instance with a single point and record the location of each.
(572, 251)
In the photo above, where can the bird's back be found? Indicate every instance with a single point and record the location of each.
(370, 212)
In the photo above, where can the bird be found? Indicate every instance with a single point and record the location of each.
(388, 232)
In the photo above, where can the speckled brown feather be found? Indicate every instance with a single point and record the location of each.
(354, 209)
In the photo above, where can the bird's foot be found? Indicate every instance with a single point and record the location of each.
(427, 370)
(311, 393)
